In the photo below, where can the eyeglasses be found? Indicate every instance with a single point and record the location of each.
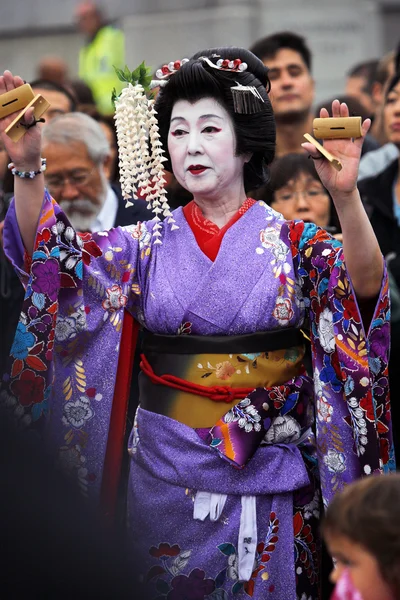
(310, 195)
(75, 178)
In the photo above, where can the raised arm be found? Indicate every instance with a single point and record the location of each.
(25, 154)
(360, 247)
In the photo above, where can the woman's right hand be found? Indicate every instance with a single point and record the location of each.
(25, 154)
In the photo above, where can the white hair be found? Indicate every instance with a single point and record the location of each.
(78, 127)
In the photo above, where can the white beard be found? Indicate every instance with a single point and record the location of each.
(82, 212)
(78, 221)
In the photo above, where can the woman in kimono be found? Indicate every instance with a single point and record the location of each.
(234, 448)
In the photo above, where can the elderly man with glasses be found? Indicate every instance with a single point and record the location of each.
(78, 168)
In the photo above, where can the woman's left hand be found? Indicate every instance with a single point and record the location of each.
(360, 246)
(339, 183)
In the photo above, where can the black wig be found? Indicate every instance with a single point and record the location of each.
(255, 133)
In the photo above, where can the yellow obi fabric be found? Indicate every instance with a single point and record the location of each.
(177, 385)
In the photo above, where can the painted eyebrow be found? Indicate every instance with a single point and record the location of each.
(202, 118)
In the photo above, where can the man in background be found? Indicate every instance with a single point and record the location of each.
(61, 98)
(78, 164)
(359, 83)
(53, 68)
(104, 50)
(292, 87)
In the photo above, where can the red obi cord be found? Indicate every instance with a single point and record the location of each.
(216, 393)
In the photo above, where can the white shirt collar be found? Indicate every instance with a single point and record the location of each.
(105, 220)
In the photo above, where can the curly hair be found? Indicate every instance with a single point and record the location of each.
(255, 133)
(368, 513)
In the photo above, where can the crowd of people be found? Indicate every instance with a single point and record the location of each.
(216, 382)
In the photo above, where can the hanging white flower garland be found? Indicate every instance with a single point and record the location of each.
(140, 162)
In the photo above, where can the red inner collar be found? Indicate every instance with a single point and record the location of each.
(208, 235)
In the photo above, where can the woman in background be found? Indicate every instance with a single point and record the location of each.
(296, 191)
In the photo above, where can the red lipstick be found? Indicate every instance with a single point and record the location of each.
(197, 169)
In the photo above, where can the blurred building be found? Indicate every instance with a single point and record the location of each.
(340, 33)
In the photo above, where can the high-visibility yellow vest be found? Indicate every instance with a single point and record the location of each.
(96, 65)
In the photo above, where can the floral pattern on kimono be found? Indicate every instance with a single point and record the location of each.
(350, 365)
(58, 330)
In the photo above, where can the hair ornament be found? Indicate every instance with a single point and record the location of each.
(247, 100)
(165, 73)
(141, 155)
(224, 64)
(171, 68)
(158, 83)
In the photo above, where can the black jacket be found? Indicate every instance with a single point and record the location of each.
(132, 214)
(377, 195)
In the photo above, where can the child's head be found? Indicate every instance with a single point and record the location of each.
(362, 532)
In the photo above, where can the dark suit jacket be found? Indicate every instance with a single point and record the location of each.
(377, 194)
(132, 214)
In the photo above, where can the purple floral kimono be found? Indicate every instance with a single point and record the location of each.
(203, 528)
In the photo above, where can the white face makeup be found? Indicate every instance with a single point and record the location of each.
(202, 145)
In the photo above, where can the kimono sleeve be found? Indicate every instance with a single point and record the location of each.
(62, 258)
(350, 364)
(77, 285)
